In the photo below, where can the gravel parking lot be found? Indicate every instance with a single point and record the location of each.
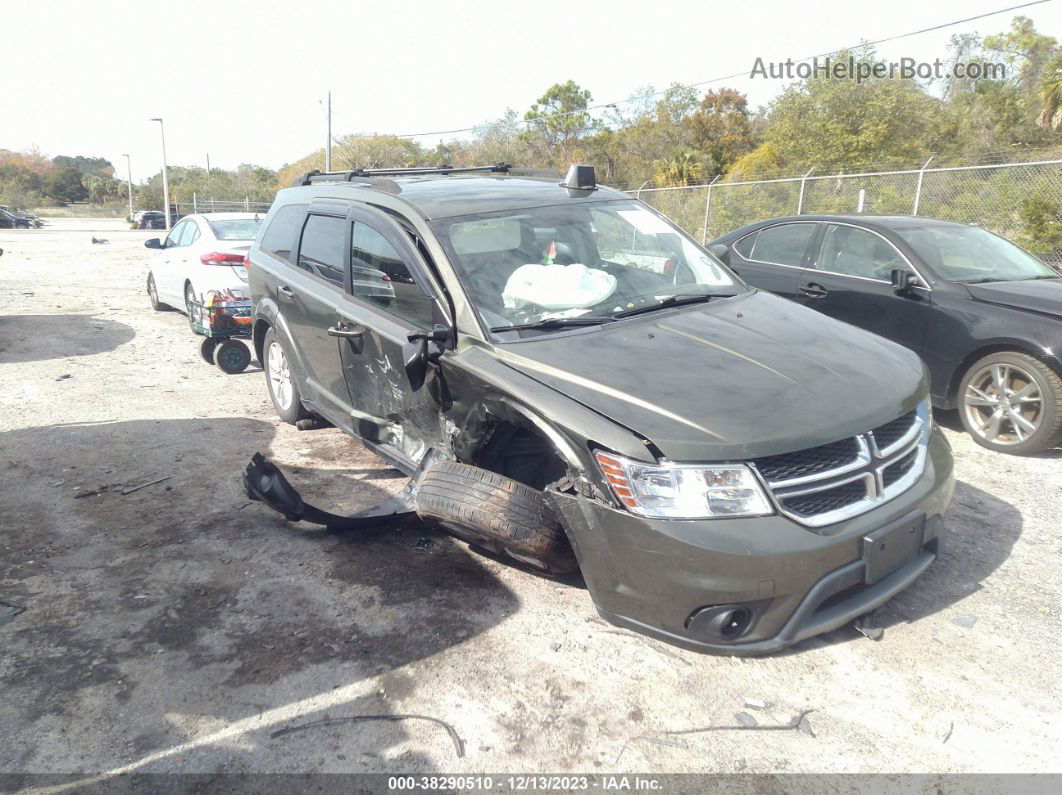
(174, 627)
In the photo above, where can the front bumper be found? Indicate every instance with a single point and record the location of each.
(653, 576)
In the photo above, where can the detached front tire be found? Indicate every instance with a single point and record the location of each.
(494, 511)
(287, 402)
(1012, 403)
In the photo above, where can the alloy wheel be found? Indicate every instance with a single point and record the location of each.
(279, 376)
(1003, 404)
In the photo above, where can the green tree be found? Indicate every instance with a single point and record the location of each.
(1051, 95)
(721, 128)
(65, 187)
(682, 168)
(559, 119)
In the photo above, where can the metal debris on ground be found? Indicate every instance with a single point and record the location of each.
(755, 703)
(966, 622)
(423, 544)
(459, 745)
(947, 736)
(746, 720)
(867, 626)
(131, 489)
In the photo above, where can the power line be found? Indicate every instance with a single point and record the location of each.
(737, 74)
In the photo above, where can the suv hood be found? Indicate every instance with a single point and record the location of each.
(1036, 295)
(744, 377)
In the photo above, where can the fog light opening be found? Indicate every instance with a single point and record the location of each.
(720, 622)
(735, 622)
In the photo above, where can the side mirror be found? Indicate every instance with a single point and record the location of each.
(903, 281)
(416, 355)
(153, 243)
(720, 250)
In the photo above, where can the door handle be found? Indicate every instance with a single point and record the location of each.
(342, 330)
(285, 291)
(815, 291)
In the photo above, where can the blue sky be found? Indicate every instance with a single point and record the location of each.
(243, 81)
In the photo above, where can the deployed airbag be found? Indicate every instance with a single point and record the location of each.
(557, 287)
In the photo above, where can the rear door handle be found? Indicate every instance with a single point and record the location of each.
(815, 291)
(346, 332)
(285, 291)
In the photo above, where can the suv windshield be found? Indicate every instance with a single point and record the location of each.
(236, 229)
(970, 254)
(546, 265)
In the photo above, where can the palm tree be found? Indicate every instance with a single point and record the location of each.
(681, 168)
(1051, 95)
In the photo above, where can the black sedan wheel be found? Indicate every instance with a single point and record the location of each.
(1012, 403)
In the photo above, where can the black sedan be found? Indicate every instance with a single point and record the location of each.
(985, 315)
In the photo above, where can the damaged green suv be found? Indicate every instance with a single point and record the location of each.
(569, 380)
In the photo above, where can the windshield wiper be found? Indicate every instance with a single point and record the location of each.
(679, 299)
(981, 281)
(556, 322)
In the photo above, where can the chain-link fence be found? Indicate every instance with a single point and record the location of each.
(1020, 201)
(211, 205)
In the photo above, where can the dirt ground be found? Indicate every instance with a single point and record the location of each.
(173, 628)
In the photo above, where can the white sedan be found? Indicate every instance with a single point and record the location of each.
(201, 253)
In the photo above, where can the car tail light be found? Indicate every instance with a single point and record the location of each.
(221, 258)
(247, 262)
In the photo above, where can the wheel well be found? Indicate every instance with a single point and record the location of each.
(258, 337)
(521, 454)
(980, 353)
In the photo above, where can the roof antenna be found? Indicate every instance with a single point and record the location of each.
(580, 178)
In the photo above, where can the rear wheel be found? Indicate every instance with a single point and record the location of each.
(206, 349)
(283, 390)
(153, 295)
(1012, 403)
(189, 297)
(495, 512)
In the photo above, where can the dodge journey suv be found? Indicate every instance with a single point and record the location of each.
(572, 382)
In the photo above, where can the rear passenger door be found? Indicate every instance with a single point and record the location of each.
(390, 296)
(773, 257)
(308, 299)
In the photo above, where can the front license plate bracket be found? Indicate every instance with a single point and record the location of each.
(888, 548)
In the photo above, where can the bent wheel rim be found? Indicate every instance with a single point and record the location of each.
(279, 376)
(1003, 404)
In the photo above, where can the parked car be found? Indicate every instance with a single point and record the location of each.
(11, 218)
(985, 315)
(152, 219)
(729, 471)
(201, 253)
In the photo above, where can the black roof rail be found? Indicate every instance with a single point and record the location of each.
(363, 173)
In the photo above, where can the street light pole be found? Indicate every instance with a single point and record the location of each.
(328, 148)
(129, 182)
(165, 178)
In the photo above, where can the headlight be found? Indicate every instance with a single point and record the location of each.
(684, 491)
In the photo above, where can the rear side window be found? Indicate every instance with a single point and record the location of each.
(784, 244)
(379, 275)
(323, 248)
(744, 246)
(282, 230)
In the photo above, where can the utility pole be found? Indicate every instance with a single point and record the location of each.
(328, 145)
(165, 178)
(129, 182)
(208, 164)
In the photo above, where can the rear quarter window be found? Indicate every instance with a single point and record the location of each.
(280, 235)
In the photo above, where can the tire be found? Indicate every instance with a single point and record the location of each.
(293, 411)
(232, 357)
(189, 296)
(206, 349)
(1030, 424)
(153, 295)
(493, 511)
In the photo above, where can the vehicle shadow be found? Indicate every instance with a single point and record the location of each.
(170, 623)
(980, 530)
(34, 338)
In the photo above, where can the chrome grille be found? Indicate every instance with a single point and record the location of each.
(833, 482)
